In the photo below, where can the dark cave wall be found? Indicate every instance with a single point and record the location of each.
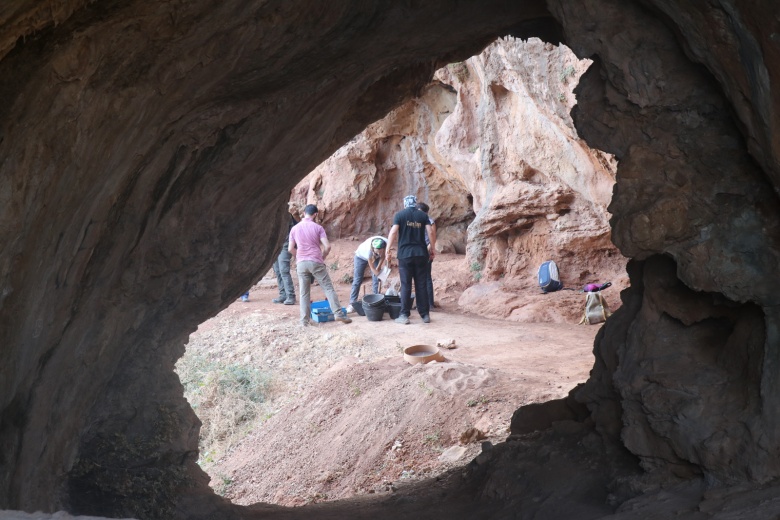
(692, 359)
(147, 151)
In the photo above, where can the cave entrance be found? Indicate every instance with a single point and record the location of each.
(293, 416)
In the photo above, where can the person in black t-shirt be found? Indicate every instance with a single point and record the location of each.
(410, 226)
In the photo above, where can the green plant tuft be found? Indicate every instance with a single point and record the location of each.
(566, 73)
(226, 396)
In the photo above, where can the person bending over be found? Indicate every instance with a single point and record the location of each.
(371, 254)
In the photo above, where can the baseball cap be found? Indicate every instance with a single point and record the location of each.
(410, 201)
(378, 243)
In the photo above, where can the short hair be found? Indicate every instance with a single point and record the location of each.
(310, 209)
(423, 207)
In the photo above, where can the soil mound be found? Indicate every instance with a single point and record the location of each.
(346, 415)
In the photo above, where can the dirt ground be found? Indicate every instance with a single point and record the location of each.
(347, 415)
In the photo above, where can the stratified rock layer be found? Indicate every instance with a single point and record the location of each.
(146, 151)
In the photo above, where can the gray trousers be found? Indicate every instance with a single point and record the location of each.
(307, 268)
(357, 279)
(283, 277)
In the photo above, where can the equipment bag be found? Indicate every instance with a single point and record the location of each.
(596, 309)
(595, 287)
(549, 281)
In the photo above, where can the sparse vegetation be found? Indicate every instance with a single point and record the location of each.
(433, 438)
(566, 73)
(476, 269)
(226, 397)
(334, 266)
(224, 485)
(347, 279)
(478, 400)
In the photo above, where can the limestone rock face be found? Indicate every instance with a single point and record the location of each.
(491, 148)
(147, 150)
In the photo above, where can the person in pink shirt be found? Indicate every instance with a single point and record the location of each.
(309, 244)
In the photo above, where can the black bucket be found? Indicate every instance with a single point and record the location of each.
(397, 299)
(394, 309)
(374, 313)
(374, 300)
(358, 306)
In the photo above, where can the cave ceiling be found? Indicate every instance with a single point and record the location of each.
(147, 149)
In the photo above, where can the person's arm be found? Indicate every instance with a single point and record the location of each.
(375, 270)
(291, 246)
(324, 246)
(431, 229)
(390, 243)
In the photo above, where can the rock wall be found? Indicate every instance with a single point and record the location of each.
(491, 148)
(701, 219)
(147, 150)
(147, 153)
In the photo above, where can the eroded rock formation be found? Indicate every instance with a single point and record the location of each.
(147, 150)
(492, 149)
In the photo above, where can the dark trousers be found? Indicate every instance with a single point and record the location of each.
(414, 268)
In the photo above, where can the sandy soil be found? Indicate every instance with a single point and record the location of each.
(349, 416)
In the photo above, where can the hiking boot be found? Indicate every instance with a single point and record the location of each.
(426, 319)
(342, 317)
(289, 301)
(279, 300)
(403, 320)
(244, 297)
(305, 322)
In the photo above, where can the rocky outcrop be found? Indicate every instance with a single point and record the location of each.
(147, 152)
(491, 148)
(688, 190)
